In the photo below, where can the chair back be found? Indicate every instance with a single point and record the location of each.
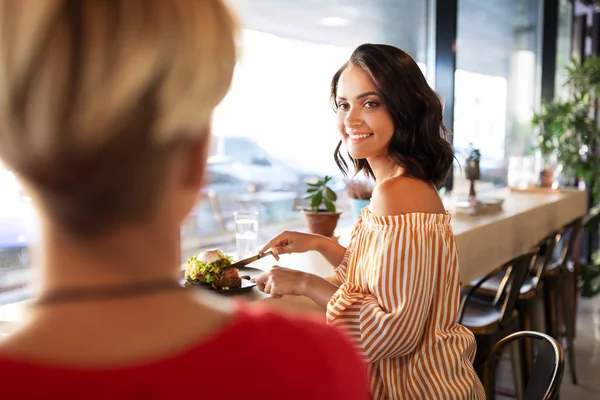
(565, 242)
(548, 366)
(544, 258)
(509, 289)
(517, 273)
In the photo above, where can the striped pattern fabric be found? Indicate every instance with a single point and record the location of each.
(398, 300)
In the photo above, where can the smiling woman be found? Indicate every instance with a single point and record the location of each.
(396, 286)
(290, 118)
(381, 97)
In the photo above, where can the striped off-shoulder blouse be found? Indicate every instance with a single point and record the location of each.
(398, 299)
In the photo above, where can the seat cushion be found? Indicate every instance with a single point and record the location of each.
(480, 315)
(490, 287)
(553, 268)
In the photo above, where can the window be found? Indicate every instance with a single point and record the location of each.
(563, 47)
(18, 231)
(275, 129)
(272, 132)
(497, 85)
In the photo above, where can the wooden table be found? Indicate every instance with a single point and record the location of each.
(484, 242)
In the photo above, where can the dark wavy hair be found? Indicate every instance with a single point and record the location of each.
(419, 142)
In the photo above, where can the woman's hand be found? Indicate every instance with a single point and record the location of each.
(288, 242)
(279, 282)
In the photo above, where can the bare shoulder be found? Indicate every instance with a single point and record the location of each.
(403, 195)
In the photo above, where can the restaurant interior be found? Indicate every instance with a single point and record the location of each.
(518, 83)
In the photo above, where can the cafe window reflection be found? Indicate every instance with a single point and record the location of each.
(563, 47)
(497, 86)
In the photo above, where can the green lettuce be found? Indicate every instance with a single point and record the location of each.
(207, 272)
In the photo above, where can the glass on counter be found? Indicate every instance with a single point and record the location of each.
(523, 172)
(246, 233)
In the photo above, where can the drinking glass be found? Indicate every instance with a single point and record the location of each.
(515, 172)
(246, 233)
(531, 175)
(523, 171)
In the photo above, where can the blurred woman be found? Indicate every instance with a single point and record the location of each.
(105, 109)
(396, 286)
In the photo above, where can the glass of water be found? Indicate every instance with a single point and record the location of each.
(246, 233)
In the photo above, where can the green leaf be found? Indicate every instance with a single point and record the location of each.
(329, 204)
(330, 194)
(592, 219)
(312, 189)
(307, 196)
(316, 184)
(316, 200)
(590, 279)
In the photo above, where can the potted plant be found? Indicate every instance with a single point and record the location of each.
(564, 128)
(322, 216)
(359, 192)
(472, 169)
(568, 130)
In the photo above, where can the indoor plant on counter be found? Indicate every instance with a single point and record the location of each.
(568, 131)
(568, 128)
(359, 192)
(322, 217)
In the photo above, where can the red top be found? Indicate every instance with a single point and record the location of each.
(276, 358)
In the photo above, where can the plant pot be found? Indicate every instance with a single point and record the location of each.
(322, 222)
(546, 178)
(357, 205)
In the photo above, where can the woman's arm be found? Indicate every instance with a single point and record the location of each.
(388, 319)
(279, 281)
(332, 251)
(288, 242)
(320, 290)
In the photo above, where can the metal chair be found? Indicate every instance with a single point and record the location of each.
(548, 366)
(559, 297)
(530, 297)
(491, 321)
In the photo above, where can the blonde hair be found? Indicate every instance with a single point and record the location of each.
(94, 93)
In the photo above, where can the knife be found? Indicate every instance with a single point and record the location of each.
(249, 260)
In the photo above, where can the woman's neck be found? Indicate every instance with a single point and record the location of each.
(124, 256)
(384, 168)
